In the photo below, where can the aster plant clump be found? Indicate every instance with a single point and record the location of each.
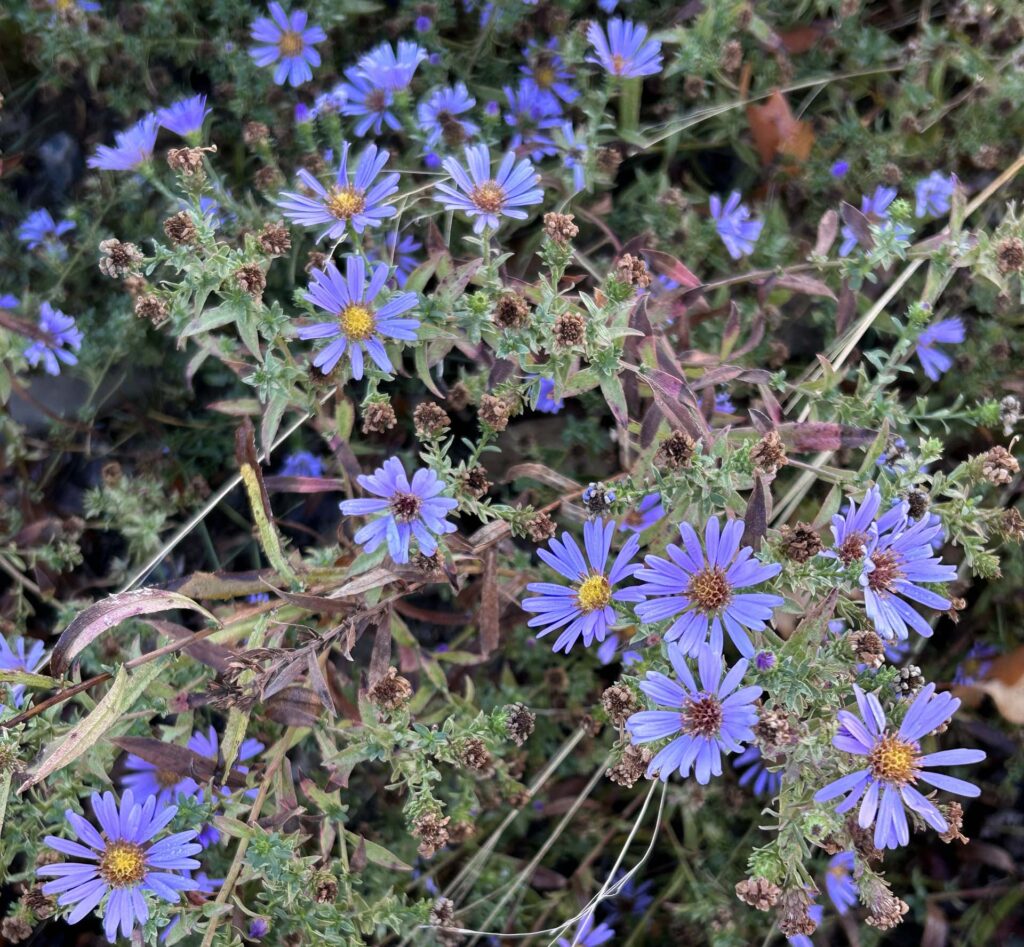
(534, 470)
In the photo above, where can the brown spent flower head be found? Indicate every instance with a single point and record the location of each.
(891, 174)
(180, 229)
(619, 703)
(676, 451)
(868, 648)
(556, 678)
(773, 730)
(152, 308)
(632, 270)
(267, 178)
(511, 311)
(801, 542)
(135, 285)
(430, 420)
(1009, 413)
(560, 227)
(732, 56)
(254, 133)
(187, 161)
(540, 528)
(325, 887)
(41, 905)
(987, 157)
(631, 767)
(459, 832)
(442, 914)
(474, 481)
(428, 565)
(119, 259)
(569, 329)
(474, 755)
(863, 840)
(608, 159)
(953, 813)
(391, 691)
(15, 929)
(886, 913)
(494, 412)
(1010, 255)
(917, 504)
(597, 499)
(430, 829)
(378, 417)
(793, 916)
(519, 723)
(769, 453)
(910, 681)
(1011, 524)
(251, 280)
(999, 466)
(759, 893)
(458, 396)
(693, 87)
(274, 239)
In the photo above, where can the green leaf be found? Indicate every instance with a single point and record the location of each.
(377, 854)
(25, 679)
(222, 315)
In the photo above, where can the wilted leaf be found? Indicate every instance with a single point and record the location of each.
(295, 706)
(110, 612)
(1005, 685)
(380, 657)
(813, 436)
(828, 229)
(777, 132)
(667, 265)
(759, 511)
(542, 474)
(177, 759)
(859, 224)
(490, 608)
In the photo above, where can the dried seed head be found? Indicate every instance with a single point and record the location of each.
(325, 887)
(540, 528)
(868, 647)
(631, 767)
(378, 417)
(267, 178)
(999, 466)
(732, 56)
(8, 756)
(891, 174)
(910, 681)
(474, 755)
(458, 396)
(759, 893)
(519, 723)
(41, 905)
(632, 270)
(251, 280)
(619, 703)
(953, 813)
(769, 453)
(430, 829)
(774, 730)
(569, 329)
(180, 229)
(1010, 255)
(793, 916)
(474, 481)
(886, 913)
(693, 87)
(863, 840)
(675, 452)
(391, 691)
(511, 311)
(459, 832)
(15, 929)
(119, 259)
(494, 412)
(560, 227)
(152, 308)
(442, 914)
(987, 157)
(430, 420)
(274, 239)
(556, 679)
(917, 504)
(187, 161)
(800, 542)
(608, 160)
(254, 133)
(111, 473)
(1011, 524)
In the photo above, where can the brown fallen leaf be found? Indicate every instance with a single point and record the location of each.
(777, 132)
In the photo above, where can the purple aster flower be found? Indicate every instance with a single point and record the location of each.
(259, 927)
(585, 606)
(701, 588)
(975, 666)
(487, 198)
(876, 209)
(185, 117)
(65, 339)
(286, 40)
(389, 69)
(894, 566)
(330, 102)
(547, 403)
(815, 912)
(358, 326)
(624, 52)
(723, 403)
(839, 169)
(303, 114)
(439, 116)
(26, 655)
(423, 24)
(492, 109)
(839, 883)
(756, 775)
(39, 229)
(547, 70)
(368, 102)
(632, 899)
(400, 254)
(302, 464)
(712, 719)
(122, 863)
(146, 779)
(574, 156)
(648, 511)
(935, 361)
(738, 232)
(532, 113)
(587, 935)
(9, 301)
(934, 194)
(856, 529)
(609, 648)
(353, 200)
(132, 147)
(895, 764)
(409, 511)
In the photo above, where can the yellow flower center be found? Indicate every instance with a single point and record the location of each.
(356, 322)
(489, 196)
(618, 64)
(544, 76)
(345, 202)
(710, 589)
(290, 44)
(894, 761)
(123, 864)
(593, 594)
